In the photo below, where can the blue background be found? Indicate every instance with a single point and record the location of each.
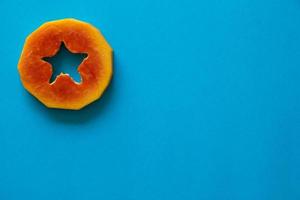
(204, 104)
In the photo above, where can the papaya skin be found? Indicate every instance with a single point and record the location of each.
(64, 93)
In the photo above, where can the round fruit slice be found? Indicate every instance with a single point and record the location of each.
(64, 92)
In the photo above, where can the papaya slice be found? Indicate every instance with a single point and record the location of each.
(64, 93)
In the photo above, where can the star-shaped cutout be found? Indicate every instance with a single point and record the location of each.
(65, 62)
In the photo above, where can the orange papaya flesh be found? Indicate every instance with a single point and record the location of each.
(64, 92)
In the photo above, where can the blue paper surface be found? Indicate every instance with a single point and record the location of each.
(204, 104)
